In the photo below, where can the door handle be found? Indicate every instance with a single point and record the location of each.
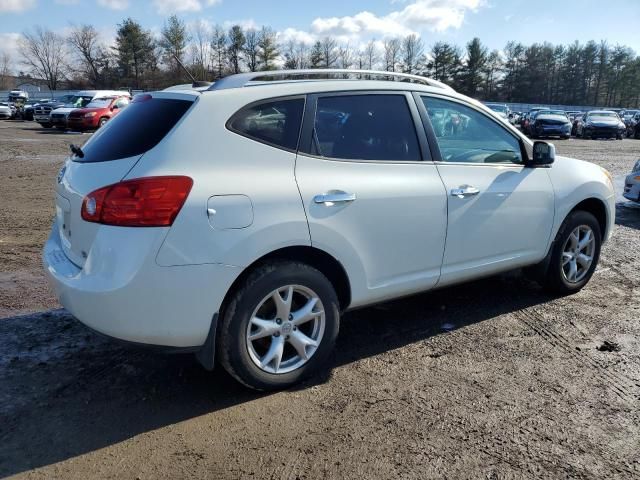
(334, 197)
(464, 191)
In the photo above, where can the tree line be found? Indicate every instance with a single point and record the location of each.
(577, 74)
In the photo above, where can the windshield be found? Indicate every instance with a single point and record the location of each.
(553, 112)
(498, 108)
(603, 114)
(79, 101)
(99, 103)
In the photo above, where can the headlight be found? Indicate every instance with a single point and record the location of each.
(608, 175)
(636, 167)
(90, 114)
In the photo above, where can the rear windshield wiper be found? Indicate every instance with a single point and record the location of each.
(76, 150)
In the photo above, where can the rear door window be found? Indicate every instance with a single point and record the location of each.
(139, 128)
(275, 122)
(365, 127)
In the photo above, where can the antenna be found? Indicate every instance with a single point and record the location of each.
(196, 83)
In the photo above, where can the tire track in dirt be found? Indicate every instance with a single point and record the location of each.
(622, 386)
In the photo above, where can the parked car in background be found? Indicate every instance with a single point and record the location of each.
(632, 184)
(514, 118)
(175, 243)
(16, 96)
(629, 119)
(97, 112)
(600, 124)
(5, 111)
(81, 99)
(525, 123)
(29, 108)
(635, 132)
(501, 109)
(42, 111)
(550, 123)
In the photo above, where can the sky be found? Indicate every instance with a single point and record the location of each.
(355, 21)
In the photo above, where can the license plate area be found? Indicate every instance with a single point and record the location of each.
(63, 215)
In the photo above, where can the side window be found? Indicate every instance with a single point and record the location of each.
(466, 135)
(276, 122)
(365, 127)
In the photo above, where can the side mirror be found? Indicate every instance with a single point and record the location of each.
(544, 154)
(115, 107)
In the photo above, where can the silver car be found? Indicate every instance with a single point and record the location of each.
(632, 184)
(5, 111)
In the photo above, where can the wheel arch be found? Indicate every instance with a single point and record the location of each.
(315, 257)
(598, 209)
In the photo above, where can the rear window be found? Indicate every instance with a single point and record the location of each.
(276, 122)
(137, 129)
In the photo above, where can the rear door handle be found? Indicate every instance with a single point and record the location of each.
(334, 197)
(464, 191)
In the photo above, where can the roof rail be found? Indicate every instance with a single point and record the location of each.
(315, 74)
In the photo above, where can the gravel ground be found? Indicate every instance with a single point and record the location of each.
(492, 379)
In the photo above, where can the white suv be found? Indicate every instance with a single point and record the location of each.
(239, 221)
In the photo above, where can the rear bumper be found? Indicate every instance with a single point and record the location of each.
(121, 292)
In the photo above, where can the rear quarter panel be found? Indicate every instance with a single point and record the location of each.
(224, 163)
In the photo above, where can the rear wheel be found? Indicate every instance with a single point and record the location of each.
(279, 327)
(575, 254)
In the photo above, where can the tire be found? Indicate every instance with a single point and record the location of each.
(242, 358)
(102, 122)
(618, 137)
(46, 125)
(556, 279)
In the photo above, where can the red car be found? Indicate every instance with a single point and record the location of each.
(98, 112)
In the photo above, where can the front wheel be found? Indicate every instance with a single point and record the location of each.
(102, 122)
(575, 254)
(279, 327)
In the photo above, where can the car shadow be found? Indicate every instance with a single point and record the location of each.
(67, 391)
(628, 215)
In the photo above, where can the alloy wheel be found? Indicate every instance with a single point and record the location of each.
(577, 254)
(285, 329)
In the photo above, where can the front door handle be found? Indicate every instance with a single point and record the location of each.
(334, 197)
(464, 191)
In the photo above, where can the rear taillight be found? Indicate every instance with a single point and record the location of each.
(141, 202)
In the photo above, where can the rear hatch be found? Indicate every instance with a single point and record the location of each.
(107, 158)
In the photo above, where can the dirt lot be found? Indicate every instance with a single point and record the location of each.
(492, 379)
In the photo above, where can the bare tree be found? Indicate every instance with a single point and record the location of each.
(370, 55)
(329, 52)
(290, 55)
(345, 56)
(302, 53)
(85, 42)
(412, 51)
(5, 71)
(392, 49)
(44, 53)
(251, 49)
(200, 49)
